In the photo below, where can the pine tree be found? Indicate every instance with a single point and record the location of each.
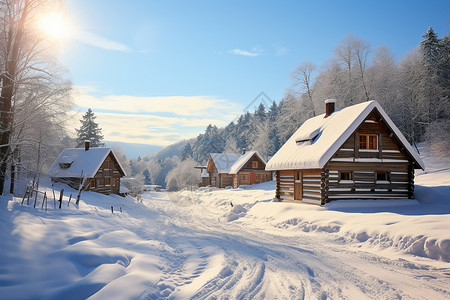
(430, 46)
(89, 131)
(187, 152)
(147, 177)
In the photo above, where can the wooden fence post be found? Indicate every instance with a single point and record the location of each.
(112, 209)
(26, 194)
(61, 197)
(35, 199)
(69, 200)
(28, 198)
(43, 200)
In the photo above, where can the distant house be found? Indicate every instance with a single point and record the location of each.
(152, 187)
(233, 169)
(204, 175)
(353, 153)
(98, 167)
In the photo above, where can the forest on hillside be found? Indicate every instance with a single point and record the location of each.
(414, 91)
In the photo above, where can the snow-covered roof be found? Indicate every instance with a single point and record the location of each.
(77, 160)
(224, 161)
(318, 139)
(237, 166)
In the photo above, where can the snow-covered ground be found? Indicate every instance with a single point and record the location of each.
(194, 244)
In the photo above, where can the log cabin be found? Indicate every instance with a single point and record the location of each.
(98, 168)
(249, 169)
(233, 169)
(353, 153)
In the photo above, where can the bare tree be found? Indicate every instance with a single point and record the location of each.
(302, 80)
(383, 79)
(352, 53)
(362, 50)
(345, 55)
(33, 94)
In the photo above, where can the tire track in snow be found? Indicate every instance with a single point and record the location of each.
(262, 265)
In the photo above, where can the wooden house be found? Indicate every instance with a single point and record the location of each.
(98, 168)
(353, 153)
(249, 169)
(232, 169)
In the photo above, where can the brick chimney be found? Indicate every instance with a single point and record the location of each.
(87, 144)
(329, 107)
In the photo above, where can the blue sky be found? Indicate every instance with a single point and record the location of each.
(156, 72)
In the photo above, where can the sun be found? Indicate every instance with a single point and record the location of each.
(55, 26)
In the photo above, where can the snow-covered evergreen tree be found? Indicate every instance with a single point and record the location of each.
(187, 152)
(89, 131)
(147, 177)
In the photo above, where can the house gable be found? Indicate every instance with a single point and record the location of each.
(211, 167)
(251, 161)
(254, 163)
(388, 146)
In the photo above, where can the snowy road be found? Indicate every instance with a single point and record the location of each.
(219, 259)
(195, 246)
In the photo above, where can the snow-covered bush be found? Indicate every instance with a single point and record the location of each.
(183, 176)
(134, 184)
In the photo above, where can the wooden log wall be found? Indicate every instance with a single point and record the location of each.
(286, 186)
(364, 185)
(312, 186)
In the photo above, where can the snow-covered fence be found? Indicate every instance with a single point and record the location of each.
(42, 197)
(29, 194)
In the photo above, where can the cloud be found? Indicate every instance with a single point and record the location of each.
(153, 120)
(99, 41)
(254, 52)
(179, 105)
(257, 51)
(279, 49)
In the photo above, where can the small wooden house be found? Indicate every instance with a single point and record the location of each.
(232, 169)
(98, 168)
(249, 169)
(204, 175)
(353, 153)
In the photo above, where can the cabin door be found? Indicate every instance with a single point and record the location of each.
(298, 185)
(252, 177)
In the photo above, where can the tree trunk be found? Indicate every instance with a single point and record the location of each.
(14, 43)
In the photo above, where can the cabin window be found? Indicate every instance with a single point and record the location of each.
(93, 183)
(244, 177)
(107, 180)
(368, 142)
(255, 164)
(65, 165)
(382, 176)
(345, 175)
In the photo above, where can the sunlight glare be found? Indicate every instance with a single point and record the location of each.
(55, 26)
